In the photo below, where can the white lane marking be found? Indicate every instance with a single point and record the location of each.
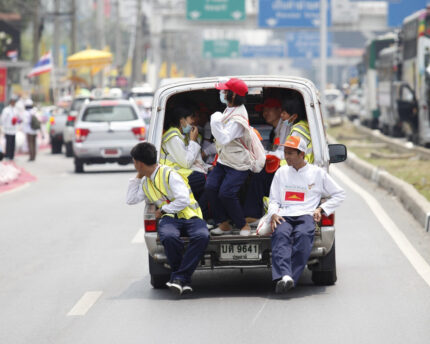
(85, 303)
(139, 238)
(18, 188)
(417, 261)
(259, 312)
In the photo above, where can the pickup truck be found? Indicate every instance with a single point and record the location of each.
(235, 251)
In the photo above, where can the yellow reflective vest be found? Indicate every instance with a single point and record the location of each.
(166, 158)
(159, 193)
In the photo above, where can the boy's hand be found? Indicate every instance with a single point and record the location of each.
(317, 214)
(275, 221)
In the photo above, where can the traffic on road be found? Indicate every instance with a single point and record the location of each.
(257, 167)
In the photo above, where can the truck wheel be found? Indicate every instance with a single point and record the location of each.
(159, 274)
(79, 166)
(69, 149)
(325, 271)
(56, 147)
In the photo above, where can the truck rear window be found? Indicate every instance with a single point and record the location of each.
(117, 113)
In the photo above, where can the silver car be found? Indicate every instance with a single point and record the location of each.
(105, 132)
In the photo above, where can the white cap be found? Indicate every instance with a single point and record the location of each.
(28, 102)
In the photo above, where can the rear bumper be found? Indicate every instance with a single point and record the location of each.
(95, 151)
(323, 243)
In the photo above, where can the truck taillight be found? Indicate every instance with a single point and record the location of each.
(71, 118)
(150, 225)
(327, 220)
(139, 132)
(81, 134)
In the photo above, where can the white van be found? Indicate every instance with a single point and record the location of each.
(235, 251)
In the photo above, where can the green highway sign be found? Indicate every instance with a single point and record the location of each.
(216, 10)
(219, 48)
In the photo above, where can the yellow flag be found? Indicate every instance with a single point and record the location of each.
(163, 70)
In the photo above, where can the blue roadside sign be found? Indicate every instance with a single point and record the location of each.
(397, 11)
(290, 13)
(306, 44)
(265, 51)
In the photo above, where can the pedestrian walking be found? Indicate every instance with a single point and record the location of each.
(10, 120)
(31, 126)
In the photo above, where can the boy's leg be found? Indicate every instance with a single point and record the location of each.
(198, 233)
(228, 194)
(282, 250)
(303, 239)
(169, 230)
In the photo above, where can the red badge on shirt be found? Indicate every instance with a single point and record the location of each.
(294, 196)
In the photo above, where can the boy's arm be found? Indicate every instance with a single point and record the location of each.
(334, 191)
(135, 192)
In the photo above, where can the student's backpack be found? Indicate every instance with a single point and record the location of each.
(252, 142)
(34, 122)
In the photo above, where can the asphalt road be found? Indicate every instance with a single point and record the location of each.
(74, 270)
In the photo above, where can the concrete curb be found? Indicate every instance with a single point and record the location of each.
(412, 200)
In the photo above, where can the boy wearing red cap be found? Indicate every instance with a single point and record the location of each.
(295, 195)
(234, 161)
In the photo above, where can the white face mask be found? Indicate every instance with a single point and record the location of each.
(222, 97)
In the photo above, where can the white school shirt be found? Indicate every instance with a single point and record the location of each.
(296, 193)
(26, 123)
(224, 134)
(179, 189)
(7, 114)
(182, 154)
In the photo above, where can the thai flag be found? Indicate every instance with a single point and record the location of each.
(44, 65)
(12, 54)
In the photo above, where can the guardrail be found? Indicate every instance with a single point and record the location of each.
(397, 145)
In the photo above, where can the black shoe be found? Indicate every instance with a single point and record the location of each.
(186, 289)
(175, 286)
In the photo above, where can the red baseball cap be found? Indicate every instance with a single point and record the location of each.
(270, 103)
(236, 85)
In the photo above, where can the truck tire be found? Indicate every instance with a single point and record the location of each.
(69, 149)
(79, 166)
(325, 271)
(159, 274)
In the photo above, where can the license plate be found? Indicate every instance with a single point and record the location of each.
(111, 151)
(240, 252)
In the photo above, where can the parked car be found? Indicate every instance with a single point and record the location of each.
(57, 121)
(335, 102)
(69, 129)
(105, 132)
(235, 251)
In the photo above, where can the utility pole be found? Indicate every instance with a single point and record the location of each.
(100, 35)
(118, 36)
(56, 38)
(73, 38)
(136, 75)
(36, 37)
(323, 52)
